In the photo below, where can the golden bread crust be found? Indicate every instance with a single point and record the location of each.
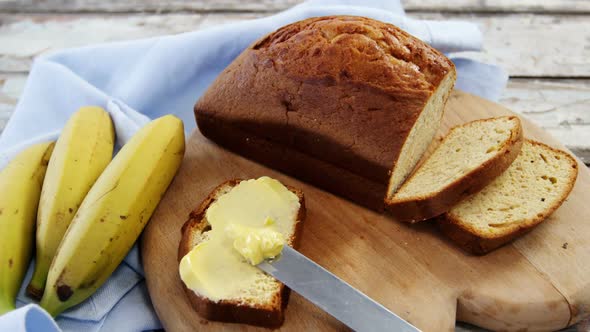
(344, 90)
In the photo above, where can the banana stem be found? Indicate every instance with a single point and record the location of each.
(52, 306)
(37, 284)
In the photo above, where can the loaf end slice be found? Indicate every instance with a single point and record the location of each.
(421, 135)
(268, 313)
(532, 188)
(468, 158)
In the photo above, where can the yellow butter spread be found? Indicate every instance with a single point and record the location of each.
(249, 223)
(256, 244)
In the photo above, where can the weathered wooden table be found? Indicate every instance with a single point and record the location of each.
(543, 44)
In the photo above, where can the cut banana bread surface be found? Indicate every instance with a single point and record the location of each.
(262, 304)
(468, 158)
(532, 188)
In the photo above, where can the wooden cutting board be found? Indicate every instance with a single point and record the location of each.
(539, 282)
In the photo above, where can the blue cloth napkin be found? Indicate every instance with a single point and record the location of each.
(144, 79)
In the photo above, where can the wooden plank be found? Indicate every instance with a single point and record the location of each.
(531, 45)
(45, 33)
(133, 6)
(512, 41)
(499, 6)
(161, 6)
(562, 107)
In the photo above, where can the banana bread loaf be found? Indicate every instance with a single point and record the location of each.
(340, 102)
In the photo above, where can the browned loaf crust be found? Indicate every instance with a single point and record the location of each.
(325, 175)
(479, 243)
(427, 207)
(342, 91)
(271, 316)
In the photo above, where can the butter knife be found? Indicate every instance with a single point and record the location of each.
(332, 294)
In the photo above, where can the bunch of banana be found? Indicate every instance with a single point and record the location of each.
(113, 213)
(83, 150)
(20, 187)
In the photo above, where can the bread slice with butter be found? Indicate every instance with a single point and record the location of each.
(467, 159)
(533, 187)
(215, 262)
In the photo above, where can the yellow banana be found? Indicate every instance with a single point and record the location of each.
(20, 187)
(83, 150)
(114, 213)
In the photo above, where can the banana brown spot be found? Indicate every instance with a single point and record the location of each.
(123, 217)
(64, 292)
(70, 210)
(10, 262)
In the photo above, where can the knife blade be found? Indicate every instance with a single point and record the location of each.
(332, 294)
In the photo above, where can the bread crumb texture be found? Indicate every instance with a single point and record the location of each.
(536, 184)
(421, 135)
(463, 150)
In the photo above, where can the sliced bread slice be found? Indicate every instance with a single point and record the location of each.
(532, 188)
(468, 159)
(263, 304)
